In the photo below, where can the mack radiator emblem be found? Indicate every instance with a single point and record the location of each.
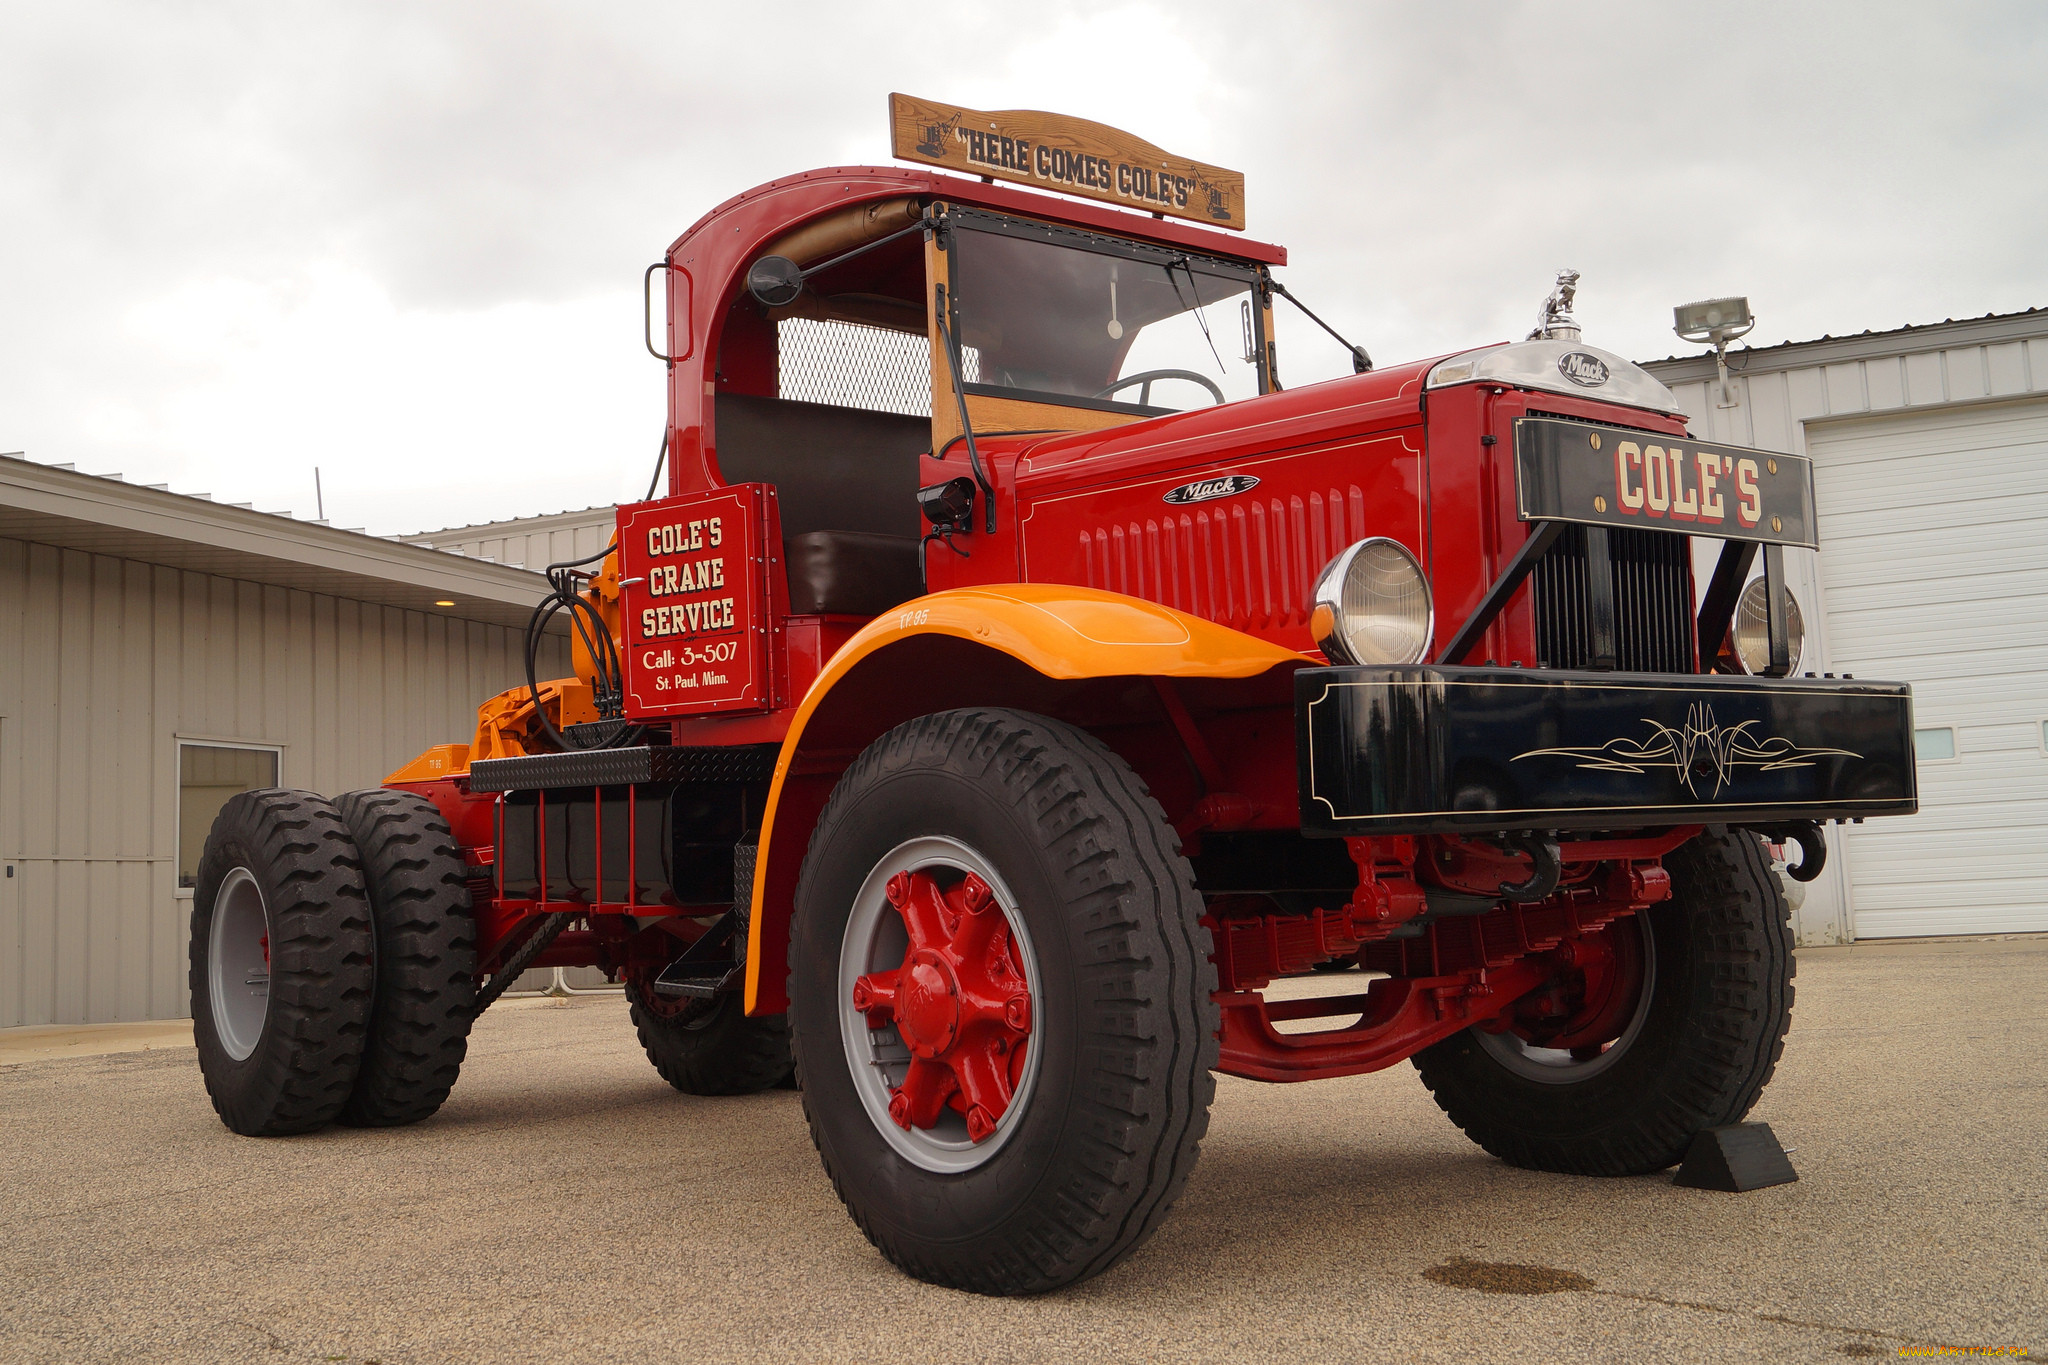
(1587, 371)
(1207, 490)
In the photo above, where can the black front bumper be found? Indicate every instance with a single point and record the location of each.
(1429, 749)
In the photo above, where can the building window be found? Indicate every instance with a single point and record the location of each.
(1935, 744)
(208, 774)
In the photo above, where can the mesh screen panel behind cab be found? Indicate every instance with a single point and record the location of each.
(849, 365)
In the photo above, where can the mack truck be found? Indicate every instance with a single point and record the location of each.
(1018, 696)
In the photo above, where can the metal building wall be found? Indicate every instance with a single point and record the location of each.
(104, 665)
(1929, 366)
(528, 542)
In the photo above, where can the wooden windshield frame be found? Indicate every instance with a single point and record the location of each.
(995, 409)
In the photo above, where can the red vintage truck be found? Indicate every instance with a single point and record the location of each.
(1017, 680)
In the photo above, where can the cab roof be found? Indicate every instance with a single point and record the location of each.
(792, 200)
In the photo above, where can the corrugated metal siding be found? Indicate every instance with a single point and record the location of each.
(107, 662)
(1776, 403)
(529, 542)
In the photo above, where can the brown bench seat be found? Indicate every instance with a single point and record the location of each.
(850, 573)
(846, 485)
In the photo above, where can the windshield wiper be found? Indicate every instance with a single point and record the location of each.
(1360, 361)
(1194, 289)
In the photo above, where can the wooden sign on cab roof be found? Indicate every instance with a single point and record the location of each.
(1072, 155)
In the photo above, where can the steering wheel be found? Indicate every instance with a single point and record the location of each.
(1146, 377)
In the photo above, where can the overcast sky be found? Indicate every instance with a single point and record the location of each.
(403, 242)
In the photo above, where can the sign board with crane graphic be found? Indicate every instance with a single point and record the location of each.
(1074, 156)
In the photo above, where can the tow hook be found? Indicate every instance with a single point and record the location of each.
(1813, 849)
(1542, 854)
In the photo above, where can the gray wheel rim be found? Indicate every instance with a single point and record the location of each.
(875, 940)
(1557, 1066)
(238, 975)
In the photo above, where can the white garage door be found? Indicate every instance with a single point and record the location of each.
(1934, 561)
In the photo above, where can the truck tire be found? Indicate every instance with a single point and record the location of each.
(1060, 935)
(710, 1047)
(1694, 1054)
(425, 994)
(280, 963)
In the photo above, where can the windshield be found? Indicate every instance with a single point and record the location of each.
(1057, 316)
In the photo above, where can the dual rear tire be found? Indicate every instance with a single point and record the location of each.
(333, 961)
(282, 963)
(425, 997)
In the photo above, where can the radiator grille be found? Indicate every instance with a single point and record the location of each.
(1653, 621)
(1249, 563)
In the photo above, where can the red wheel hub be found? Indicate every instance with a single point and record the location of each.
(1590, 1000)
(959, 1001)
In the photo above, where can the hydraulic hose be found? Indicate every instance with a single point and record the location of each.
(608, 687)
(952, 350)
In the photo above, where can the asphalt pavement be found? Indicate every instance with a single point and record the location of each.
(566, 1205)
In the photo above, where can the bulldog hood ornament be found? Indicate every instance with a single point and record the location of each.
(1554, 321)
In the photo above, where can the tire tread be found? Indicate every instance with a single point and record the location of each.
(425, 957)
(306, 1059)
(732, 1053)
(1095, 817)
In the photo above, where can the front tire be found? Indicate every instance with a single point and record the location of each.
(280, 963)
(1694, 1053)
(1001, 1002)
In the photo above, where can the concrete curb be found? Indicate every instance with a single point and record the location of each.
(47, 1042)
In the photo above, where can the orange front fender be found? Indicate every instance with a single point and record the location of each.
(1066, 634)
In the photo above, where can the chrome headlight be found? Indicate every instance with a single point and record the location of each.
(1753, 629)
(1371, 606)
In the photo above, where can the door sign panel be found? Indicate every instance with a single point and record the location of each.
(695, 603)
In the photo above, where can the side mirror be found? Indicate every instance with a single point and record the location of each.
(775, 281)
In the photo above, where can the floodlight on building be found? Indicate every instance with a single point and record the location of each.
(1716, 322)
(445, 602)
